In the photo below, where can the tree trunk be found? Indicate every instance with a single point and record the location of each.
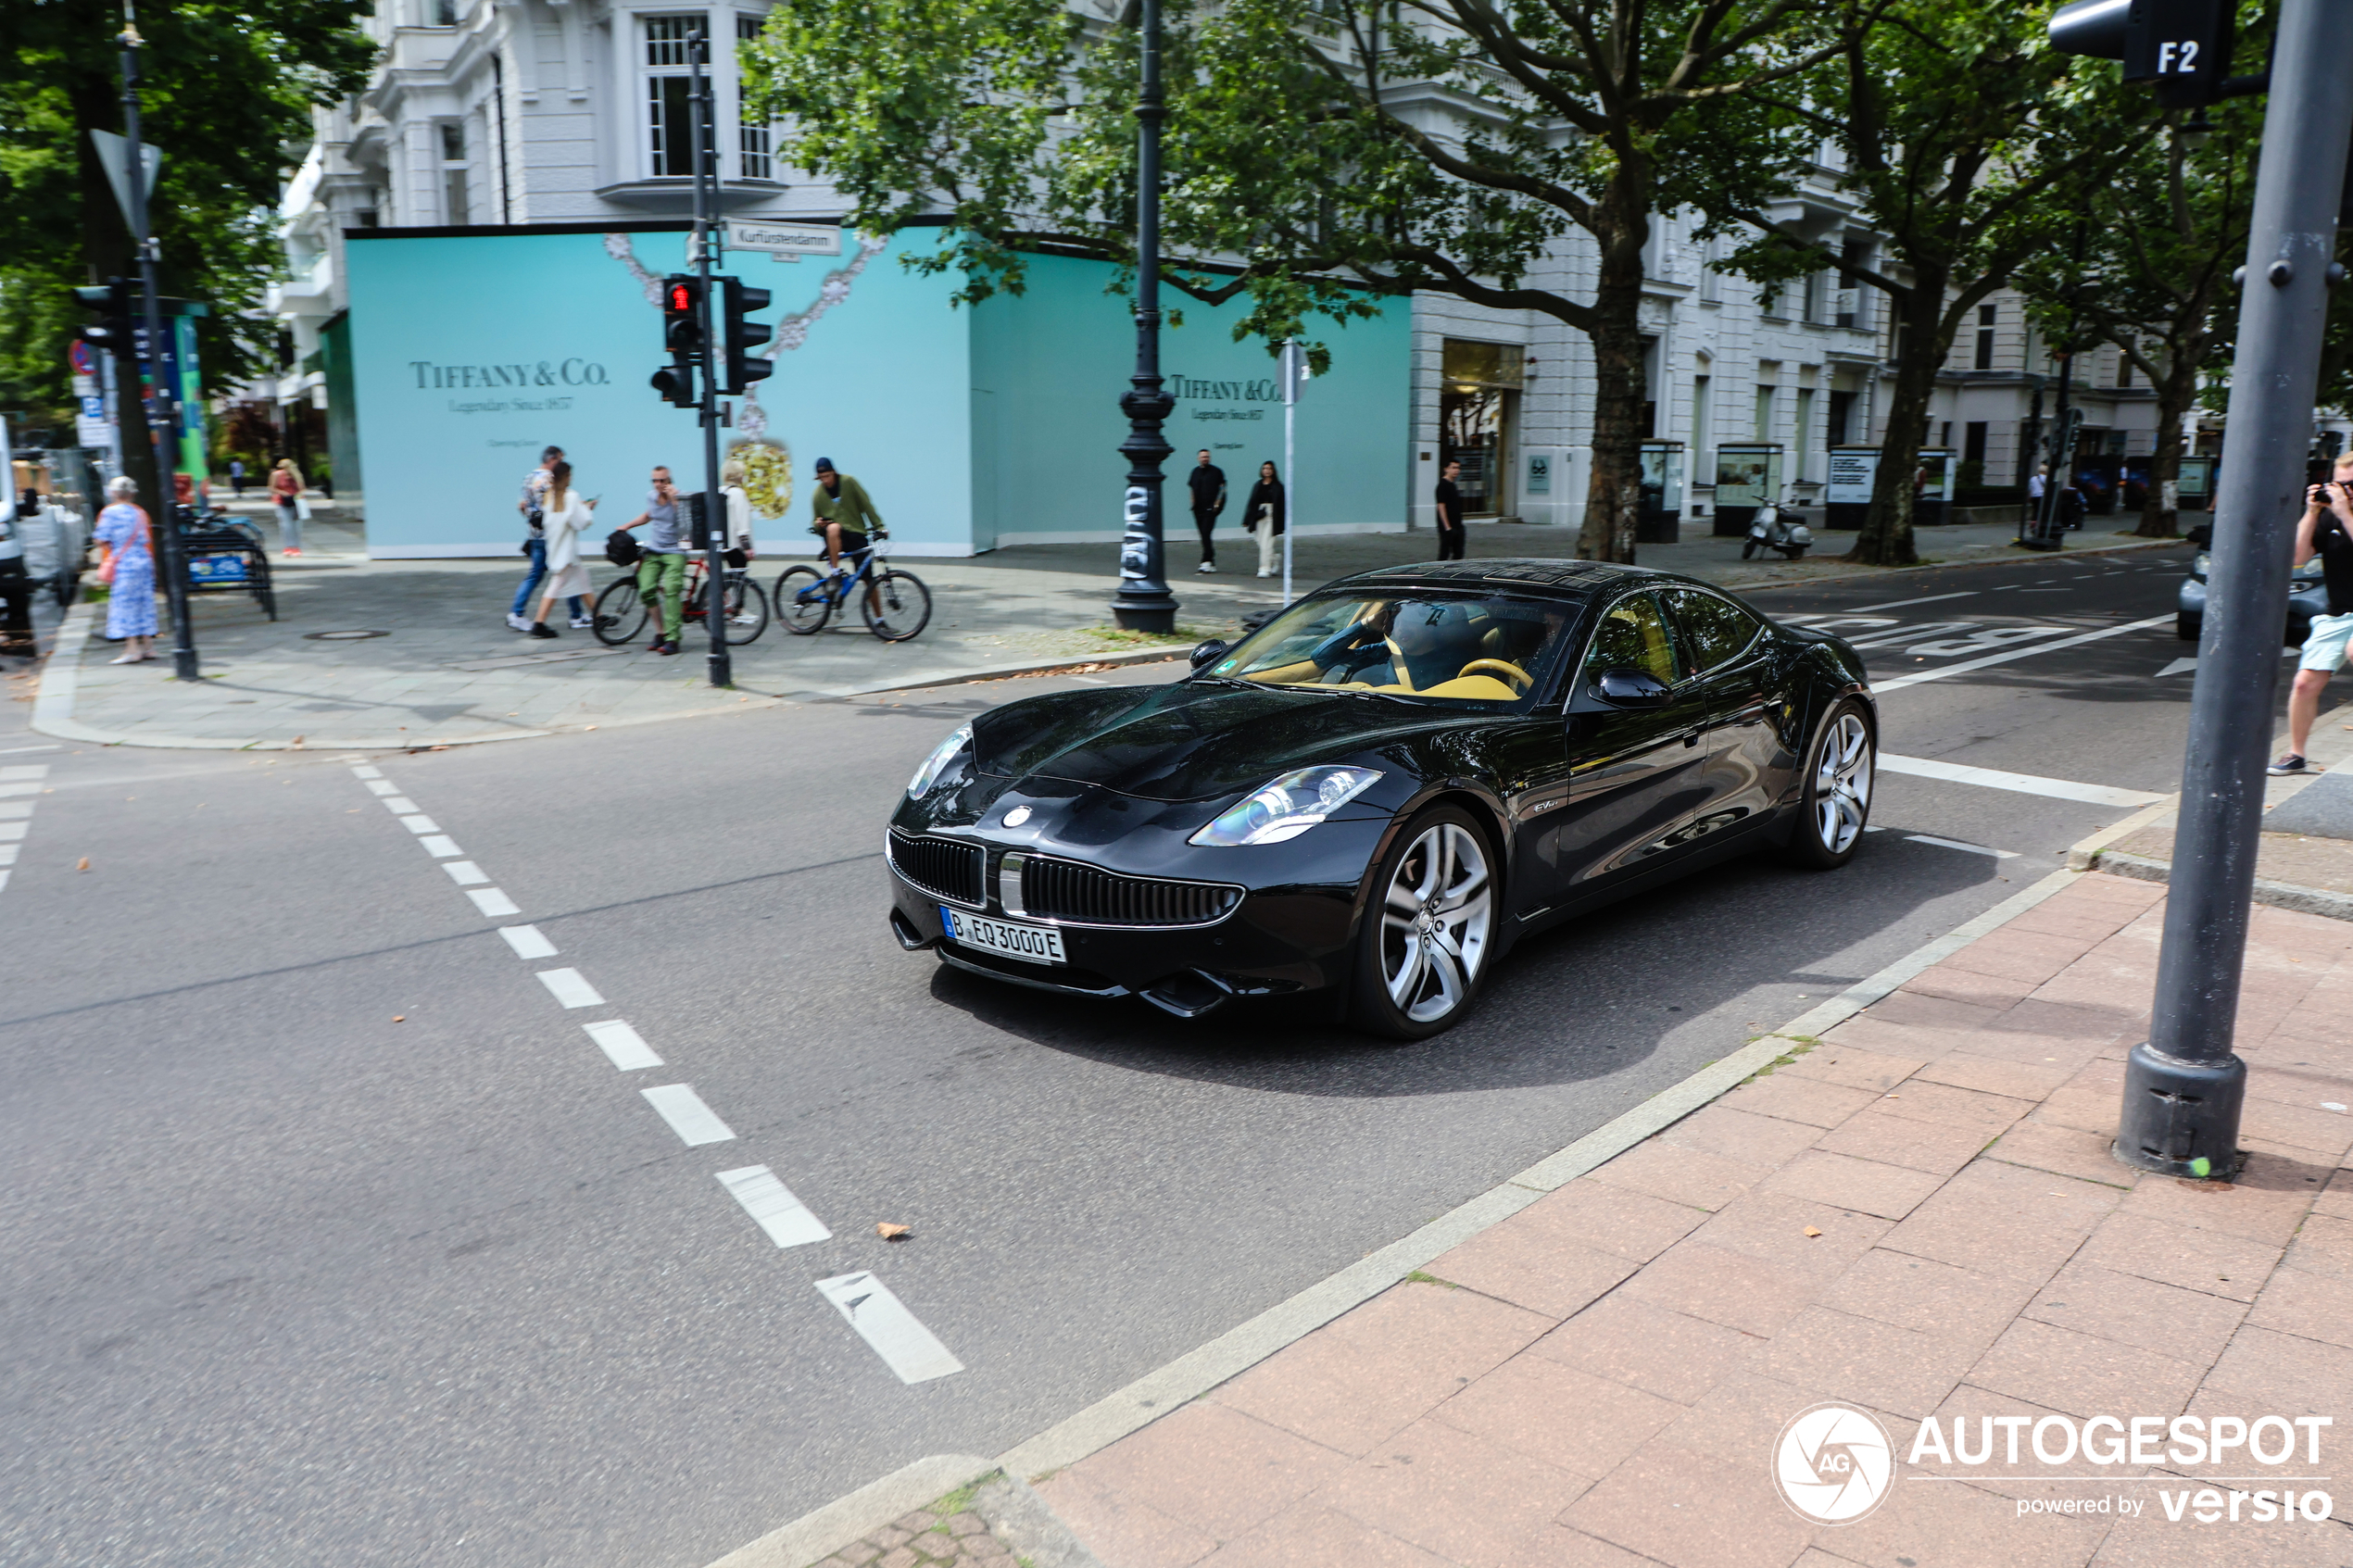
(1613, 496)
(1886, 538)
(2160, 509)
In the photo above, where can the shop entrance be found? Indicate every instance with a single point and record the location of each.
(1477, 418)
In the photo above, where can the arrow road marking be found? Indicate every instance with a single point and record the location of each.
(904, 1344)
(2022, 783)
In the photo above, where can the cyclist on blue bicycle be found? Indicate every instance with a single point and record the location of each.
(844, 516)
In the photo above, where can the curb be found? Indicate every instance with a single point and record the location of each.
(1160, 1392)
(1014, 1512)
(2279, 895)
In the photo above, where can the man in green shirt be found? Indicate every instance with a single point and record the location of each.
(845, 515)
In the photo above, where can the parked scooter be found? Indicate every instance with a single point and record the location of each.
(1772, 532)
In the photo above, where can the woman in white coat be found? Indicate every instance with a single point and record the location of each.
(566, 516)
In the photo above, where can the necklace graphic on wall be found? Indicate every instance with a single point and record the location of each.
(767, 462)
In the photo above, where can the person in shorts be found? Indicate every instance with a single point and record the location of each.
(2326, 531)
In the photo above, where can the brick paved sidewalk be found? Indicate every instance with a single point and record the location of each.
(1916, 1216)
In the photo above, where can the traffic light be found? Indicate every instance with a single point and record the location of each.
(112, 332)
(742, 334)
(682, 334)
(2182, 45)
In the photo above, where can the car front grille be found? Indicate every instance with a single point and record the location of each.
(1059, 890)
(942, 868)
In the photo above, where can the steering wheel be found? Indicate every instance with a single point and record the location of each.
(1510, 672)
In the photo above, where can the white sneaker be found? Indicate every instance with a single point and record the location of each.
(1206, 569)
(517, 623)
(584, 623)
(1266, 575)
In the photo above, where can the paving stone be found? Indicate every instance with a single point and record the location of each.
(1748, 1294)
(2082, 1376)
(2312, 1306)
(1690, 1511)
(1854, 1066)
(1924, 1101)
(1119, 1528)
(1568, 1418)
(1750, 1136)
(2213, 1261)
(1972, 986)
(1215, 1469)
(2267, 1202)
(2193, 1326)
(1960, 1526)
(1311, 1535)
(2004, 1220)
(1546, 1275)
(2324, 1245)
(1866, 1186)
(1468, 1496)
(1993, 1075)
(1680, 1175)
(1866, 1360)
(1896, 1140)
(1798, 1099)
(1609, 1219)
(2062, 1150)
(1657, 1349)
(1928, 1297)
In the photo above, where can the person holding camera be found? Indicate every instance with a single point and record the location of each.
(2326, 531)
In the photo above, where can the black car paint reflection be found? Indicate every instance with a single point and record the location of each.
(1583, 798)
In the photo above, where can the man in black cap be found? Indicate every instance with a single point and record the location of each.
(845, 515)
(1208, 484)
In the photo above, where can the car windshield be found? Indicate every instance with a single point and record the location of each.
(1424, 646)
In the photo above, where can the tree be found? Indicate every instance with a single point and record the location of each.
(1967, 146)
(1311, 145)
(227, 87)
(2160, 239)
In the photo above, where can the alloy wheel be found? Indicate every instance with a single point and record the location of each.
(1435, 918)
(1842, 784)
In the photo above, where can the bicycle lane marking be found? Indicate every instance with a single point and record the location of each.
(889, 1328)
(21, 785)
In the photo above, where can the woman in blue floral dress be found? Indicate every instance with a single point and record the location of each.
(131, 610)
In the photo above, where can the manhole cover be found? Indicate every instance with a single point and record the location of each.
(341, 636)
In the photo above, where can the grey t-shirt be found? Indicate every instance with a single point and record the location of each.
(661, 525)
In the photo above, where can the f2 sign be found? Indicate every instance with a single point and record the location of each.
(2182, 45)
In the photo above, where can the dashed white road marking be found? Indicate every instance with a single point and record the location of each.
(9, 831)
(383, 786)
(2178, 666)
(883, 1321)
(527, 942)
(493, 903)
(695, 1123)
(2036, 650)
(25, 771)
(773, 1208)
(464, 872)
(1933, 598)
(18, 750)
(440, 844)
(23, 780)
(1956, 843)
(621, 1045)
(367, 771)
(570, 988)
(8, 854)
(399, 805)
(420, 824)
(2021, 783)
(17, 789)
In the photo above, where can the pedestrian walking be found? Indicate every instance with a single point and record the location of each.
(734, 485)
(16, 584)
(1207, 483)
(844, 516)
(129, 571)
(285, 489)
(564, 516)
(238, 476)
(2322, 532)
(533, 504)
(1451, 532)
(661, 569)
(1263, 515)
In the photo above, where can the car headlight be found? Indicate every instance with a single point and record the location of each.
(1287, 808)
(936, 763)
(2198, 567)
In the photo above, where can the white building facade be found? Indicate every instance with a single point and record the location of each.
(489, 114)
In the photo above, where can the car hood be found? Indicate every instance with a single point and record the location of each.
(1185, 742)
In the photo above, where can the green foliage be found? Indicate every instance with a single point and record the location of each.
(226, 89)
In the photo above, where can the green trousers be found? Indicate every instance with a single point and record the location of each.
(665, 575)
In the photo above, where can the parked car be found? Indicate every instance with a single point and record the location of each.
(1378, 792)
(2308, 596)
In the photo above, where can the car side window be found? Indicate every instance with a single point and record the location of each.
(1716, 629)
(1632, 635)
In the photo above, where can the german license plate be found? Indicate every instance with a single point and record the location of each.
(1032, 943)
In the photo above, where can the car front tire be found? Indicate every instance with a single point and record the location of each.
(1841, 768)
(1430, 929)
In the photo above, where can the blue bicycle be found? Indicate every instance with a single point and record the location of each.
(896, 604)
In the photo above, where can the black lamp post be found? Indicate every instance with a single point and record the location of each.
(1143, 602)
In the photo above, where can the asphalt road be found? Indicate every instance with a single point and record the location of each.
(334, 1238)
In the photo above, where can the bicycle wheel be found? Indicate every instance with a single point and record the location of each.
(747, 610)
(619, 614)
(898, 607)
(803, 602)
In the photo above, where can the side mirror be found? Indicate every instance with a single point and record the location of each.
(1628, 687)
(1209, 651)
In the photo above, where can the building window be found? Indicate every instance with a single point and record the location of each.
(1987, 316)
(2123, 369)
(1973, 452)
(1711, 281)
(1945, 436)
(1805, 443)
(1812, 308)
(1478, 408)
(1841, 430)
(753, 146)
(445, 13)
(670, 108)
(1764, 414)
(454, 208)
(1703, 425)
